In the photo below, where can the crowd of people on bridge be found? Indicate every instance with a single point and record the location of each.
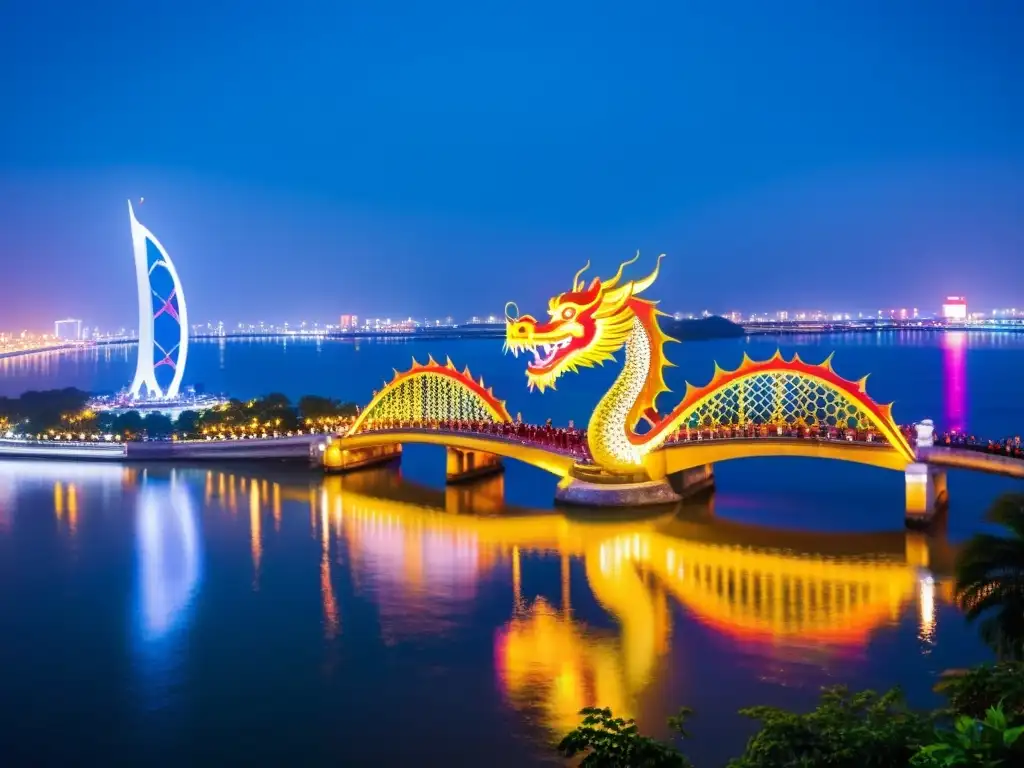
(562, 439)
(799, 431)
(574, 441)
(1007, 446)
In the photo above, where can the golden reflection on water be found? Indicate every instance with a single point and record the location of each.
(424, 555)
(332, 619)
(775, 593)
(65, 505)
(255, 510)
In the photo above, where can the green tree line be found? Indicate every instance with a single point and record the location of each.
(66, 411)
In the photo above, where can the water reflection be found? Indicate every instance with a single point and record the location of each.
(169, 555)
(954, 375)
(790, 603)
(574, 612)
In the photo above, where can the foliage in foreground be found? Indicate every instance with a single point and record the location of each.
(990, 578)
(608, 742)
(976, 690)
(845, 730)
(986, 743)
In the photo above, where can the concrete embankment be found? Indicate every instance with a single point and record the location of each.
(295, 447)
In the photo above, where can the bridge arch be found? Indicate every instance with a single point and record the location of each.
(432, 392)
(678, 457)
(784, 392)
(558, 464)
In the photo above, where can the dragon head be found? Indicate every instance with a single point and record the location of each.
(585, 326)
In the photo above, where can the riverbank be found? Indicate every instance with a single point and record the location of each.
(790, 329)
(36, 351)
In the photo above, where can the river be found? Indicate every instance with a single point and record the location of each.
(261, 614)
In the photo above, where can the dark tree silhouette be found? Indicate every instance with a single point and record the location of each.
(990, 578)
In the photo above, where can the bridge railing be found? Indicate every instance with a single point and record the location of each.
(924, 437)
(775, 432)
(568, 441)
(554, 439)
(1002, 450)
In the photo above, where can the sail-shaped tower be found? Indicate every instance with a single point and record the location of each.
(163, 318)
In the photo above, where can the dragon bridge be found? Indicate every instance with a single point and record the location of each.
(772, 407)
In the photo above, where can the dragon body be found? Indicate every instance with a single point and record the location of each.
(589, 324)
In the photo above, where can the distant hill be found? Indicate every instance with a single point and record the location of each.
(706, 328)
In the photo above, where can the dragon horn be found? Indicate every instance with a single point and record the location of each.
(644, 283)
(618, 275)
(616, 296)
(576, 284)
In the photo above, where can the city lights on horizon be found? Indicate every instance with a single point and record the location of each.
(69, 331)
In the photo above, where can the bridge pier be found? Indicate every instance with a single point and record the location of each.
(588, 486)
(693, 481)
(468, 464)
(927, 494)
(334, 458)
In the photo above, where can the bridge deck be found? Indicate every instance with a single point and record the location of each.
(554, 459)
(978, 461)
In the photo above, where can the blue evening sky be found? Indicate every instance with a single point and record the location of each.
(302, 159)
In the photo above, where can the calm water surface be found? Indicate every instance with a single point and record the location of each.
(269, 615)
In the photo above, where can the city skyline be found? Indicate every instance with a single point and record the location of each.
(956, 315)
(392, 178)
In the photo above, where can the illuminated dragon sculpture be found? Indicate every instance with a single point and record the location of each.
(590, 323)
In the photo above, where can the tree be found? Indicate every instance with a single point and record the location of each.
(128, 423)
(311, 406)
(973, 743)
(990, 578)
(973, 691)
(187, 422)
(273, 403)
(611, 742)
(847, 730)
(46, 410)
(158, 425)
(314, 406)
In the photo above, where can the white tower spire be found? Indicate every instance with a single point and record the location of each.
(151, 258)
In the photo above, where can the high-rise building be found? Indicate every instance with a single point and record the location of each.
(348, 322)
(163, 318)
(68, 330)
(954, 308)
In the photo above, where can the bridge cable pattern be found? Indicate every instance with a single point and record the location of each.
(432, 392)
(779, 398)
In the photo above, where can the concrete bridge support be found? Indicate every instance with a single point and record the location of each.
(693, 481)
(588, 486)
(927, 494)
(468, 464)
(335, 459)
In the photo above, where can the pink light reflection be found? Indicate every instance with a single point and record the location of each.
(954, 379)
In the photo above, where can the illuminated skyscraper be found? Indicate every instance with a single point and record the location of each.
(954, 308)
(163, 318)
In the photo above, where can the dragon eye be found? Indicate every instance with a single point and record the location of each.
(568, 313)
